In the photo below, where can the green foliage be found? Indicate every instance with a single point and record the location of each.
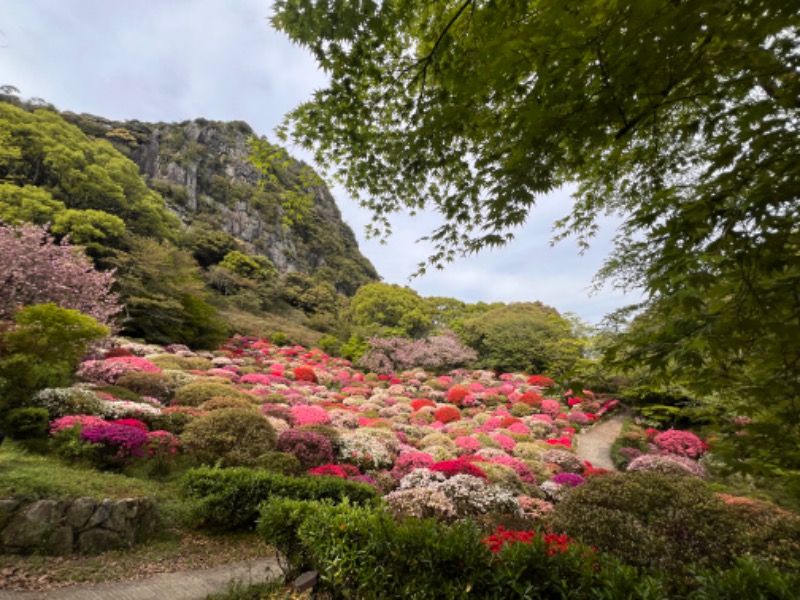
(678, 117)
(229, 498)
(164, 296)
(389, 310)
(208, 246)
(525, 337)
(279, 170)
(197, 392)
(80, 174)
(279, 462)
(259, 268)
(155, 385)
(26, 423)
(43, 349)
(651, 520)
(229, 437)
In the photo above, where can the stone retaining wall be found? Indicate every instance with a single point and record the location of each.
(86, 525)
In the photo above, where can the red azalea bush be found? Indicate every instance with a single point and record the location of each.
(457, 393)
(450, 468)
(447, 414)
(682, 443)
(541, 381)
(341, 471)
(422, 402)
(131, 423)
(305, 373)
(531, 399)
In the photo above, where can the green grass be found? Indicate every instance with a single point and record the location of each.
(30, 476)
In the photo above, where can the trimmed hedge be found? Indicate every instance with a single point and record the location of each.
(229, 498)
(361, 552)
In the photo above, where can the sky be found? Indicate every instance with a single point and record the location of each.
(173, 60)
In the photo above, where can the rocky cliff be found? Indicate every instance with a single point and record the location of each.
(202, 170)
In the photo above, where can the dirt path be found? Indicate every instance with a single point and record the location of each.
(182, 585)
(595, 444)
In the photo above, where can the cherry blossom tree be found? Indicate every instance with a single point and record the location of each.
(35, 269)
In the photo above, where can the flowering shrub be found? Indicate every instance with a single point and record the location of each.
(131, 423)
(682, 443)
(364, 450)
(503, 537)
(473, 496)
(447, 414)
(421, 503)
(409, 461)
(531, 399)
(521, 469)
(551, 407)
(567, 461)
(451, 468)
(311, 449)
(568, 479)
(309, 415)
(457, 393)
(74, 420)
(116, 444)
(330, 470)
(534, 508)
(541, 381)
(305, 373)
(669, 463)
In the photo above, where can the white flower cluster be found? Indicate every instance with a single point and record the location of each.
(365, 450)
(468, 495)
(121, 409)
(421, 503)
(60, 402)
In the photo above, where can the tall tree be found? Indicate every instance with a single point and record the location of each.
(680, 117)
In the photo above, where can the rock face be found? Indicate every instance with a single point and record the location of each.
(86, 525)
(202, 170)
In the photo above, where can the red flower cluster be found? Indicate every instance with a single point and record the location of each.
(457, 393)
(541, 381)
(446, 414)
(305, 374)
(458, 467)
(502, 537)
(421, 403)
(341, 471)
(531, 399)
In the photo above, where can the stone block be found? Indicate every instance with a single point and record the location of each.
(79, 512)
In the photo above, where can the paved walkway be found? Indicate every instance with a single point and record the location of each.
(183, 585)
(595, 444)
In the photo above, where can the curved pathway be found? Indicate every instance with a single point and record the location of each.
(595, 444)
(182, 585)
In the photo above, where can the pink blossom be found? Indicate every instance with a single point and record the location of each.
(506, 443)
(309, 415)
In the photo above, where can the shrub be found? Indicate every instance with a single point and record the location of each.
(175, 419)
(279, 462)
(311, 449)
(115, 445)
(310, 415)
(155, 385)
(451, 468)
(121, 393)
(447, 414)
(650, 520)
(197, 392)
(229, 498)
(567, 461)
(231, 436)
(27, 423)
(42, 349)
(220, 402)
(305, 373)
(671, 464)
(682, 443)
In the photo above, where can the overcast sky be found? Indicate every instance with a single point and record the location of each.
(172, 60)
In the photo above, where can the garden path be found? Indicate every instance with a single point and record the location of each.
(182, 585)
(595, 444)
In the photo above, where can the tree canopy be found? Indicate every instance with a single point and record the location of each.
(679, 117)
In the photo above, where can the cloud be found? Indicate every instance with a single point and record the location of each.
(171, 61)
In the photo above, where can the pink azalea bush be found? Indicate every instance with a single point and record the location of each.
(682, 443)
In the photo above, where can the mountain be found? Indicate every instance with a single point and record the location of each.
(203, 171)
